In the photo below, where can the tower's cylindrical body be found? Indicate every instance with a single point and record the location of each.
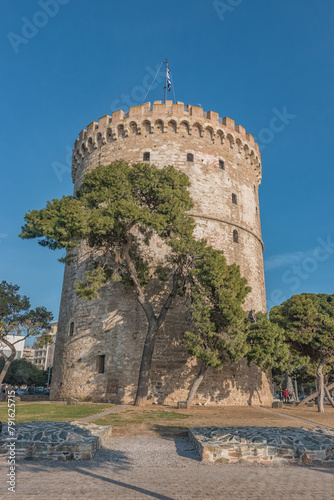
(99, 343)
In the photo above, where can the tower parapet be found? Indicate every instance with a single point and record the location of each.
(176, 118)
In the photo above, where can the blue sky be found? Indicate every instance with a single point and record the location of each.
(250, 61)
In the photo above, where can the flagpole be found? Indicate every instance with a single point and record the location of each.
(166, 66)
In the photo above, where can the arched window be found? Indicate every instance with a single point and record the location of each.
(234, 199)
(221, 164)
(133, 128)
(146, 156)
(147, 127)
(235, 236)
(159, 126)
(172, 126)
(121, 132)
(71, 329)
(184, 128)
(190, 157)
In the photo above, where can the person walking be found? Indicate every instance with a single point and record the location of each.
(2, 392)
(286, 395)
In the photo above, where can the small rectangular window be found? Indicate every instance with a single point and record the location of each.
(234, 199)
(146, 156)
(100, 364)
(221, 164)
(71, 329)
(190, 157)
(235, 236)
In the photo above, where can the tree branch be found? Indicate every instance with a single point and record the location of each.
(169, 300)
(148, 309)
(10, 345)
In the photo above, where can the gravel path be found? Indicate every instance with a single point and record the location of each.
(146, 467)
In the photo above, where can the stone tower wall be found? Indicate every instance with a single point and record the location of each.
(114, 325)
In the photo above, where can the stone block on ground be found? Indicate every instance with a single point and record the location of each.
(53, 440)
(182, 404)
(72, 401)
(277, 404)
(266, 445)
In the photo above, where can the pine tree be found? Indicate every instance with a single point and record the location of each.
(116, 212)
(308, 321)
(219, 327)
(18, 319)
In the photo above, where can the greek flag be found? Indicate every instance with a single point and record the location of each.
(169, 81)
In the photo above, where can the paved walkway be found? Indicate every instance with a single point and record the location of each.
(302, 420)
(116, 409)
(145, 467)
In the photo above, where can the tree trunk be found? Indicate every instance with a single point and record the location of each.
(145, 365)
(289, 385)
(330, 399)
(8, 360)
(196, 383)
(320, 380)
(314, 395)
(296, 390)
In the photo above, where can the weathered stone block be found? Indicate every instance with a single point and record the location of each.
(182, 404)
(72, 401)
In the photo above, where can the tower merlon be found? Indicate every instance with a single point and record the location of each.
(166, 112)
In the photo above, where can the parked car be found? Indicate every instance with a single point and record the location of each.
(35, 391)
(21, 392)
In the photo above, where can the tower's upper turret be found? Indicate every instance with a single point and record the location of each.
(159, 117)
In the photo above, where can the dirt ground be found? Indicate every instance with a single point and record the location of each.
(311, 413)
(167, 420)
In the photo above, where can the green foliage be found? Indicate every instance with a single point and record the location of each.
(267, 347)
(219, 324)
(117, 205)
(308, 321)
(21, 372)
(16, 317)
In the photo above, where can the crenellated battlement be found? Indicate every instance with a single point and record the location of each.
(168, 112)
(163, 118)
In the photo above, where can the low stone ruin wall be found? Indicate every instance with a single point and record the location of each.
(53, 441)
(265, 445)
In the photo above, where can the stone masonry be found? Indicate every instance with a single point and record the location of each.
(264, 445)
(223, 164)
(54, 440)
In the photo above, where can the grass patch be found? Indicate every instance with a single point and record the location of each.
(52, 412)
(130, 418)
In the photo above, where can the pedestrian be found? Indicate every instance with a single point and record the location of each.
(286, 395)
(280, 394)
(2, 392)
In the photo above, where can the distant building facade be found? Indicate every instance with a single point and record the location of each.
(28, 353)
(42, 357)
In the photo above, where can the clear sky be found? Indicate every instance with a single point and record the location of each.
(266, 64)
